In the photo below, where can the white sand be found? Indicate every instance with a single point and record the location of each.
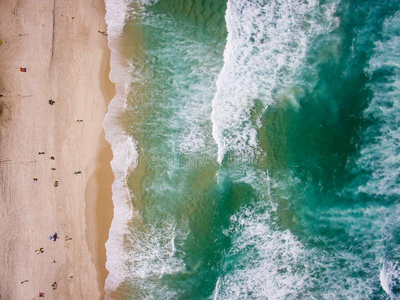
(66, 60)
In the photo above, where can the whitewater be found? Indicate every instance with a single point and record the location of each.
(255, 149)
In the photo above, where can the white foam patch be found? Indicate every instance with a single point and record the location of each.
(151, 253)
(389, 277)
(196, 137)
(380, 154)
(266, 46)
(268, 262)
(189, 87)
(272, 263)
(116, 16)
(194, 92)
(374, 229)
(123, 147)
(264, 262)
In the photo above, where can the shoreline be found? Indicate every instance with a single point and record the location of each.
(66, 60)
(124, 147)
(98, 194)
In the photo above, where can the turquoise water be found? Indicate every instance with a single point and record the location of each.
(268, 142)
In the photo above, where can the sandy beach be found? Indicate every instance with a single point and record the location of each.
(67, 189)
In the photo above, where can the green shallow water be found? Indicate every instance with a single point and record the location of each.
(308, 212)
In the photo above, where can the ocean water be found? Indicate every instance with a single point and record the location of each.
(256, 149)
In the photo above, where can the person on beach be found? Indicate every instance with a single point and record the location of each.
(77, 172)
(52, 158)
(22, 69)
(51, 102)
(41, 153)
(35, 180)
(53, 237)
(39, 250)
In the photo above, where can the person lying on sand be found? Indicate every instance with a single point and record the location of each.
(39, 250)
(102, 32)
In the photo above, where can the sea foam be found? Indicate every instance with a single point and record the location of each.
(379, 155)
(132, 255)
(389, 277)
(265, 49)
(123, 147)
(266, 261)
(380, 150)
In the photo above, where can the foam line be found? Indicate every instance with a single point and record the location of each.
(380, 151)
(123, 147)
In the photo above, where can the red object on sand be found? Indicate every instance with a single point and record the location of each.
(22, 69)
